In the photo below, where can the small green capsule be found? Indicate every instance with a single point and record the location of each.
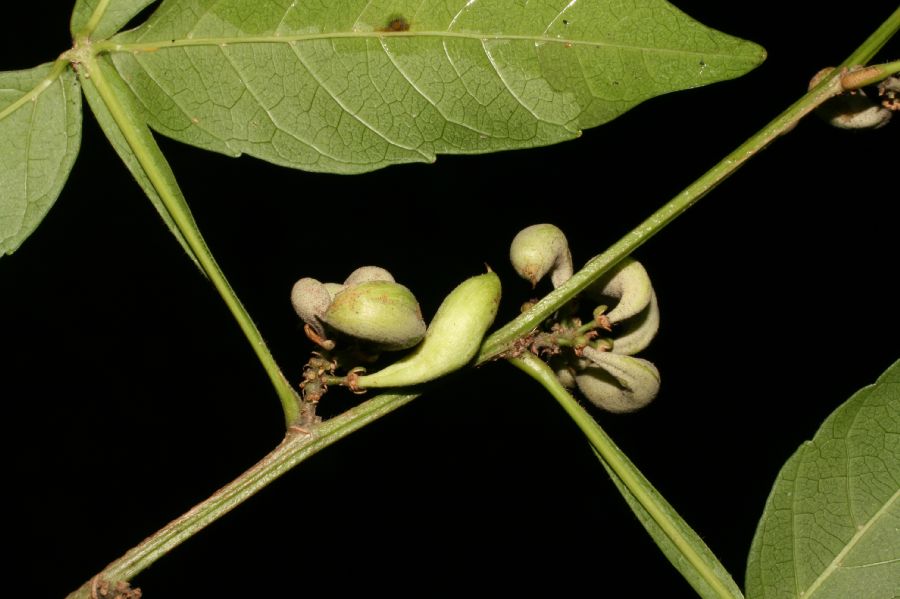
(629, 283)
(639, 331)
(364, 274)
(333, 289)
(453, 337)
(381, 312)
(311, 299)
(539, 249)
(618, 383)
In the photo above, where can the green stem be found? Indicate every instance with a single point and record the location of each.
(151, 159)
(705, 565)
(502, 339)
(296, 447)
(875, 42)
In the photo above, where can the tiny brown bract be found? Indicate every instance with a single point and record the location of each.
(396, 24)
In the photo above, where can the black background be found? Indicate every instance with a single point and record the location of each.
(130, 394)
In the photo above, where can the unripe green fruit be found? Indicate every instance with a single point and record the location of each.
(311, 299)
(618, 383)
(333, 289)
(628, 283)
(537, 249)
(364, 274)
(382, 312)
(453, 337)
(639, 330)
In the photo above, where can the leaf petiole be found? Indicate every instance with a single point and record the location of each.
(158, 171)
(702, 570)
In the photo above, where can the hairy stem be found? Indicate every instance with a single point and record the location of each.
(158, 171)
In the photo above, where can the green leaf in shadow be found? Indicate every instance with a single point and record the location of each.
(831, 526)
(356, 85)
(40, 125)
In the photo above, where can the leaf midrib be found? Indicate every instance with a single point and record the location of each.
(113, 46)
(836, 562)
(35, 92)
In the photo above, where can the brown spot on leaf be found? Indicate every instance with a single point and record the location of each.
(396, 24)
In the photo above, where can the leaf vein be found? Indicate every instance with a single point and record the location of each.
(337, 100)
(508, 87)
(436, 106)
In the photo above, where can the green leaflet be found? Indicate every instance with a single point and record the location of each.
(40, 125)
(116, 14)
(831, 526)
(345, 86)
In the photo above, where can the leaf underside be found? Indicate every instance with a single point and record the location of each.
(357, 85)
(40, 125)
(116, 15)
(831, 526)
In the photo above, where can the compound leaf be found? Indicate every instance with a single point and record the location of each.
(831, 526)
(356, 85)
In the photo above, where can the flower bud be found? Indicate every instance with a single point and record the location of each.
(382, 312)
(538, 249)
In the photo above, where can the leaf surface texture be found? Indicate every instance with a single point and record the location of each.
(357, 85)
(831, 526)
(40, 125)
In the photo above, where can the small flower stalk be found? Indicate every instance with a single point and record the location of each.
(597, 357)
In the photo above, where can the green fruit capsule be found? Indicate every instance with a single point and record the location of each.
(628, 283)
(618, 383)
(539, 249)
(639, 331)
(381, 312)
(311, 299)
(364, 274)
(452, 339)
